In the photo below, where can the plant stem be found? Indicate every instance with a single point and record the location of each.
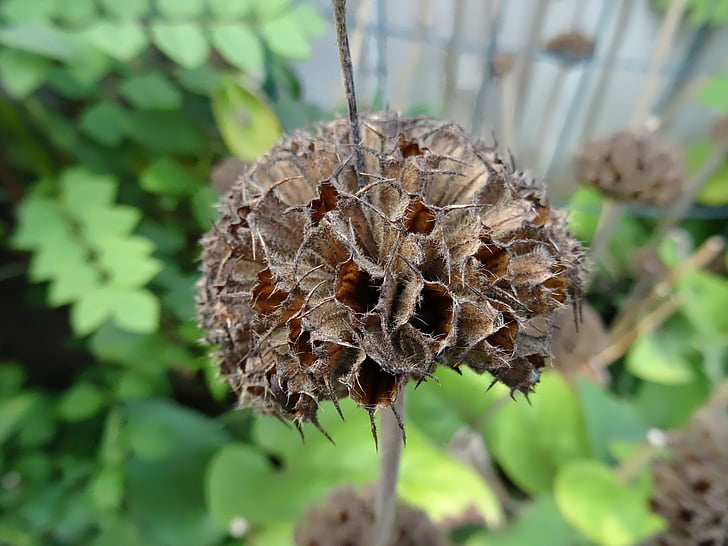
(342, 40)
(392, 441)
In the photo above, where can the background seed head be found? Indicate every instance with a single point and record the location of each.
(633, 166)
(320, 284)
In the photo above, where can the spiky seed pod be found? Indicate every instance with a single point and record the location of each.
(692, 485)
(570, 47)
(633, 166)
(315, 287)
(348, 518)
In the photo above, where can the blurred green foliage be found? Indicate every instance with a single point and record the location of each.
(114, 427)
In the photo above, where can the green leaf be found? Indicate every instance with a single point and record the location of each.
(607, 511)
(90, 65)
(107, 489)
(22, 73)
(704, 301)
(608, 419)
(183, 42)
(104, 121)
(12, 412)
(670, 406)
(58, 251)
(80, 402)
(715, 192)
(181, 8)
(285, 36)
(122, 40)
(225, 8)
(71, 282)
(35, 214)
(715, 93)
(203, 206)
(143, 353)
(531, 442)
(128, 9)
(201, 80)
(248, 125)
(270, 8)
(39, 38)
(136, 311)
(128, 262)
(82, 189)
(164, 131)
(166, 177)
(238, 45)
(103, 226)
(25, 10)
(584, 208)
(92, 310)
(660, 357)
(76, 13)
(152, 91)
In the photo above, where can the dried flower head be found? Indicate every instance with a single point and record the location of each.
(570, 47)
(692, 485)
(348, 518)
(633, 166)
(319, 283)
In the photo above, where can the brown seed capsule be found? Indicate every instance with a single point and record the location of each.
(570, 47)
(631, 166)
(348, 518)
(692, 485)
(315, 287)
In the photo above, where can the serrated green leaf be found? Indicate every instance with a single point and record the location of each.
(39, 38)
(661, 358)
(285, 36)
(164, 131)
(122, 40)
(238, 45)
(152, 91)
(128, 263)
(166, 177)
(607, 511)
(137, 311)
(75, 13)
(25, 10)
(270, 8)
(60, 250)
(131, 9)
(226, 8)
(181, 8)
(22, 73)
(104, 122)
(552, 427)
(99, 224)
(82, 189)
(71, 282)
(37, 215)
(80, 402)
(248, 125)
(92, 310)
(183, 42)
(715, 93)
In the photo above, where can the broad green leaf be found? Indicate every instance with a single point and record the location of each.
(22, 73)
(166, 496)
(183, 42)
(82, 401)
(39, 38)
(103, 226)
(151, 91)
(286, 37)
(608, 419)
(715, 192)
(660, 357)
(107, 489)
(92, 310)
(76, 13)
(59, 251)
(309, 20)
(131, 9)
(715, 93)
(238, 45)
(201, 80)
(669, 406)
(37, 215)
(122, 40)
(104, 121)
(127, 261)
(704, 301)
(181, 8)
(132, 385)
(90, 65)
(603, 508)
(531, 442)
(82, 189)
(164, 131)
(270, 8)
(27, 10)
(118, 532)
(538, 522)
(137, 311)
(226, 8)
(166, 177)
(12, 412)
(71, 282)
(248, 125)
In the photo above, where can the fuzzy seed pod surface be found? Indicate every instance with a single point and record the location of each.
(320, 283)
(633, 166)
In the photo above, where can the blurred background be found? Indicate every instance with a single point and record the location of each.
(122, 123)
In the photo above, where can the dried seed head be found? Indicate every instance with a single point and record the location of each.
(692, 485)
(631, 166)
(348, 518)
(570, 47)
(315, 288)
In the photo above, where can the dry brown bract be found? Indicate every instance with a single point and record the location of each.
(315, 288)
(570, 47)
(633, 166)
